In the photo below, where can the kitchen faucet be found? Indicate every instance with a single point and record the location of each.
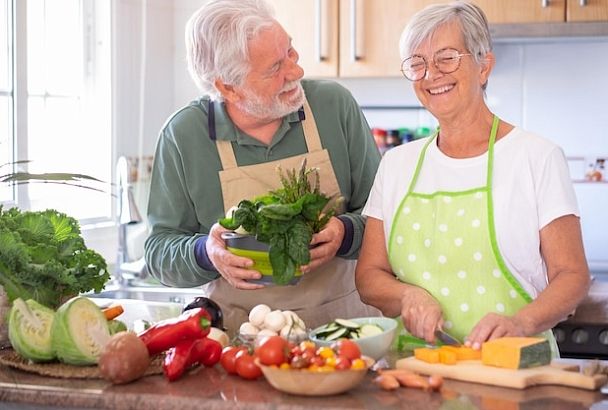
(128, 214)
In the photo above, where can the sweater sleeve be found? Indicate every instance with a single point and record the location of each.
(170, 248)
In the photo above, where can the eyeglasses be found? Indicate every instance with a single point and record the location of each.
(447, 61)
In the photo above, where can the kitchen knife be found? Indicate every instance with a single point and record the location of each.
(446, 338)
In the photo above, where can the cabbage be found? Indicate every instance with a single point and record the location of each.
(29, 330)
(80, 331)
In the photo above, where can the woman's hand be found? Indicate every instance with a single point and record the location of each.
(235, 269)
(325, 244)
(421, 313)
(493, 326)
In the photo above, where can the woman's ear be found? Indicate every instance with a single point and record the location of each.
(227, 91)
(487, 65)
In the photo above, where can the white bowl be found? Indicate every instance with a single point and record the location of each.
(309, 383)
(375, 346)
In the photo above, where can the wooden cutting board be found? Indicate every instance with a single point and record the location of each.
(475, 371)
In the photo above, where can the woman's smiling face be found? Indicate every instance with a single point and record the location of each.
(446, 95)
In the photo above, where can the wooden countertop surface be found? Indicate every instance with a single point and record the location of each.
(212, 388)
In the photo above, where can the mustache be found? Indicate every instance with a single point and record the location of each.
(290, 86)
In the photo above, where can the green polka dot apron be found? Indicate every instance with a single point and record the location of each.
(445, 242)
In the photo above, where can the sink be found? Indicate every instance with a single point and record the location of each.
(150, 304)
(150, 294)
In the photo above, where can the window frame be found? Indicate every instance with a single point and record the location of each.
(20, 97)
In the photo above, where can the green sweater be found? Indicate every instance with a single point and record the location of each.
(185, 194)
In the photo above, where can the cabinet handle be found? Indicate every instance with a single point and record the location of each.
(353, 31)
(544, 3)
(319, 31)
(583, 3)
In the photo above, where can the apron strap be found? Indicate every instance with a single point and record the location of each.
(224, 148)
(419, 164)
(493, 133)
(311, 133)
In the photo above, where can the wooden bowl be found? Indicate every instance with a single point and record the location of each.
(311, 383)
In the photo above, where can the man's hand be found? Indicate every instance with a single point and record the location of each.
(325, 244)
(235, 269)
(492, 326)
(421, 313)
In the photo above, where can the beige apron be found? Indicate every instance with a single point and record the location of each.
(320, 296)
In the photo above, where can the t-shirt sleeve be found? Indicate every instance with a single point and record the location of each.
(373, 206)
(555, 192)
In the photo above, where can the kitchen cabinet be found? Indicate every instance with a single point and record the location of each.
(360, 38)
(587, 10)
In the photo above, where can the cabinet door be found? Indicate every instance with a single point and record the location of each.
(313, 26)
(369, 35)
(587, 10)
(523, 11)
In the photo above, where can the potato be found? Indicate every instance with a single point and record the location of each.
(124, 358)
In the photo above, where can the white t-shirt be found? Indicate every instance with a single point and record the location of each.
(531, 187)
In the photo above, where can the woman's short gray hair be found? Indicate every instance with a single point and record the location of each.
(472, 21)
(217, 35)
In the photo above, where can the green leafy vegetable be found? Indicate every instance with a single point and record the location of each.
(30, 330)
(285, 219)
(44, 257)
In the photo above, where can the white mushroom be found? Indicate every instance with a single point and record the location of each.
(274, 321)
(258, 314)
(248, 329)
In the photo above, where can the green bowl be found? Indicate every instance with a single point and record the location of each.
(249, 247)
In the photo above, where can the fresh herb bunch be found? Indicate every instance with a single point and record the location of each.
(44, 257)
(285, 219)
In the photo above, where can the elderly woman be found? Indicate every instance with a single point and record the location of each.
(475, 230)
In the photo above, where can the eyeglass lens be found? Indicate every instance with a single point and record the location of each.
(447, 61)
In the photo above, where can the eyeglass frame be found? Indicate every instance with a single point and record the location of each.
(426, 64)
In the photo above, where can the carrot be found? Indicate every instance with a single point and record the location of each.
(435, 381)
(386, 382)
(113, 312)
(413, 380)
(395, 372)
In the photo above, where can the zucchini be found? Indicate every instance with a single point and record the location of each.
(342, 328)
(347, 324)
(337, 334)
(370, 330)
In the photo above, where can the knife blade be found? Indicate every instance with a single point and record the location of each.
(447, 338)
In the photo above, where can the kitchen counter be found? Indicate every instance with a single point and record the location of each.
(212, 388)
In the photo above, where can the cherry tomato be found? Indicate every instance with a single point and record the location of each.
(228, 358)
(273, 350)
(299, 362)
(342, 363)
(347, 348)
(246, 367)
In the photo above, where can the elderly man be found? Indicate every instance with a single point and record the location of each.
(256, 112)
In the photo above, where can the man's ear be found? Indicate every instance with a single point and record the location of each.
(227, 91)
(487, 64)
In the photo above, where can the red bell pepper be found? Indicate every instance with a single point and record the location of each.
(192, 324)
(177, 359)
(190, 352)
(207, 352)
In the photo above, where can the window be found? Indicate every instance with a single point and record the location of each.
(56, 103)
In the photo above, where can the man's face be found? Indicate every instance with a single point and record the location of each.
(272, 87)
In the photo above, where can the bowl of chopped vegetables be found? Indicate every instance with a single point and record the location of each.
(249, 247)
(374, 335)
(312, 371)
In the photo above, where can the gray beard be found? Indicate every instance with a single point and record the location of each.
(258, 108)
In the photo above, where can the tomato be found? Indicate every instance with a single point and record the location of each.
(347, 348)
(246, 367)
(299, 362)
(273, 350)
(342, 363)
(228, 358)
